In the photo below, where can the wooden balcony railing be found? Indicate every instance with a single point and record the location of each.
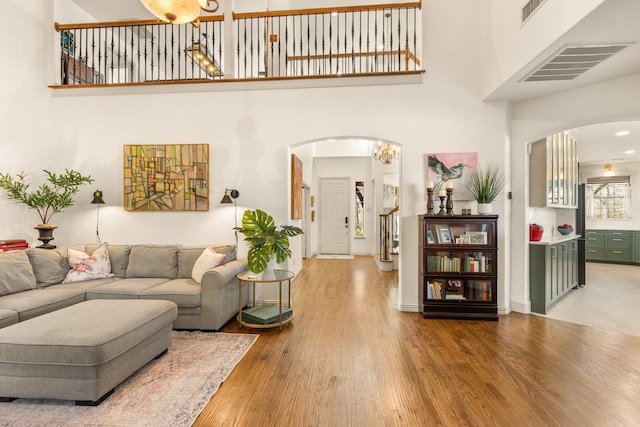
(364, 40)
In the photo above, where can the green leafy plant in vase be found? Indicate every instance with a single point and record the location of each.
(48, 199)
(485, 184)
(265, 240)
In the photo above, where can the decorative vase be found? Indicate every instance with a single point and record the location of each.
(484, 208)
(45, 235)
(268, 272)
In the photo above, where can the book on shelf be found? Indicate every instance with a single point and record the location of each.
(431, 293)
(479, 290)
(438, 290)
(455, 296)
(435, 290)
(465, 264)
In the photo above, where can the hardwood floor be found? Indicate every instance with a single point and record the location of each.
(350, 358)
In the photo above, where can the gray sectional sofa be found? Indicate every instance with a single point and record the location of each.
(30, 282)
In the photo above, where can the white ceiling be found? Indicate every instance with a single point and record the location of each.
(599, 144)
(614, 21)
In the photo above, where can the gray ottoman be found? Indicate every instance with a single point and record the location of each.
(83, 351)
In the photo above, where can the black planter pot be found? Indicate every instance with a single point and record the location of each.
(46, 235)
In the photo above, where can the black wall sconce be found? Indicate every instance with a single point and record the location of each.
(229, 197)
(97, 200)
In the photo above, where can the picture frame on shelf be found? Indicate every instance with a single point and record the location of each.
(444, 235)
(477, 237)
(430, 237)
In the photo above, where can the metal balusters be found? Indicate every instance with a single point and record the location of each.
(213, 41)
(279, 45)
(369, 39)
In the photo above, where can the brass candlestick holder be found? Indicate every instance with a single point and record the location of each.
(441, 211)
(449, 201)
(429, 201)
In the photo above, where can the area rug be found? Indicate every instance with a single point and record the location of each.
(170, 391)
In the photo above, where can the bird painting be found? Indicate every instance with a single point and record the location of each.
(451, 167)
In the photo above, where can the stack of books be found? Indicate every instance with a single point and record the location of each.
(266, 314)
(13, 244)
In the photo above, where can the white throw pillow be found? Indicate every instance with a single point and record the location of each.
(207, 259)
(88, 267)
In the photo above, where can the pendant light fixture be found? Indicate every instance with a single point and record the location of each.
(180, 11)
(200, 54)
(608, 170)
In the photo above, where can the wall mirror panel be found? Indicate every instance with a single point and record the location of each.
(359, 214)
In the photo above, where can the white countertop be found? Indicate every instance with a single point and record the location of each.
(559, 238)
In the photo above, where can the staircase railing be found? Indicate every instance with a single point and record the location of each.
(389, 234)
(378, 39)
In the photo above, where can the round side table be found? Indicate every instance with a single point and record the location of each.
(270, 315)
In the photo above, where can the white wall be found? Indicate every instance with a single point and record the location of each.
(612, 100)
(508, 47)
(250, 134)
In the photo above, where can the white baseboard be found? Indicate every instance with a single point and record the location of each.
(409, 308)
(519, 307)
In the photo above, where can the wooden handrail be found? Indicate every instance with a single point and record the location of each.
(391, 212)
(319, 11)
(129, 23)
(356, 54)
(314, 11)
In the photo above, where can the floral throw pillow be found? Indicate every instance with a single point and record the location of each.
(88, 267)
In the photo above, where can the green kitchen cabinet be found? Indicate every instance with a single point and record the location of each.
(553, 271)
(612, 246)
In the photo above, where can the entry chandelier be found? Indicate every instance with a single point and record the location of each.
(180, 11)
(386, 153)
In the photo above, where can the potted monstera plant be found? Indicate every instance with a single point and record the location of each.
(268, 244)
(48, 199)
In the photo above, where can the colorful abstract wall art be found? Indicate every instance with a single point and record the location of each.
(171, 177)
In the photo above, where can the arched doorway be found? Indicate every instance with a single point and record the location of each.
(350, 159)
(602, 301)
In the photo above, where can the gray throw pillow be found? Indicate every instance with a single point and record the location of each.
(153, 261)
(228, 250)
(186, 258)
(50, 266)
(16, 274)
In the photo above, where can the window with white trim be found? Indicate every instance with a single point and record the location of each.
(608, 197)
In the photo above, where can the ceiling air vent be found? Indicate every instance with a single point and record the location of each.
(572, 60)
(529, 8)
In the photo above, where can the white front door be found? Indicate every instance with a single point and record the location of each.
(334, 216)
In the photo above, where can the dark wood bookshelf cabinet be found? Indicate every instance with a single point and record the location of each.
(458, 266)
